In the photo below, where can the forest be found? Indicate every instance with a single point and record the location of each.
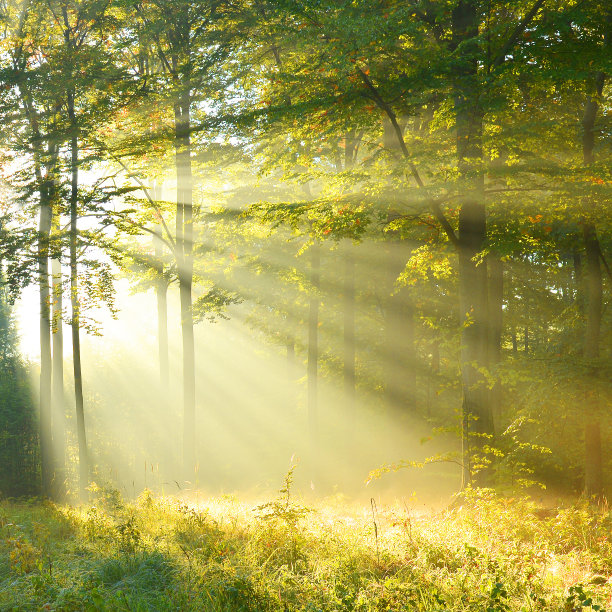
(305, 305)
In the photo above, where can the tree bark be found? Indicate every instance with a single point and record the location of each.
(496, 301)
(594, 292)
(593, 467)
(74, 301)
(161, 293)
(349, 337)
(473, 297)
(350, 149)
(46, 443)
(399, 353)
(313, 357)
(184, 246)
(58, 407)
(44, 231)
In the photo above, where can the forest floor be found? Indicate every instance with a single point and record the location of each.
(490, 553)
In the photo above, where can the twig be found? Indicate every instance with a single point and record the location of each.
(374, 513)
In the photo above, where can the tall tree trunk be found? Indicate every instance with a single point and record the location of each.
(313, 357)
(477, 418)
(594, 293)
(496, 301)
(348, 314)
(58, 410)
(433, 373)
(46, 443)
(290, 346)
(74, 302)
(593, 468)
(161, 293)
(184, 246)
(348, 311)
(44, 231)
(400, 355)
(578, 281)
(476, 414)
(348, 363)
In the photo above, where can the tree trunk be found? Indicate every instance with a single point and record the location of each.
(594, 293)
(477, 418)
(46, 444)
(161, 293)
(400, 355)
(593, 466)
(74, 301)
(184, 246)
(349, 338)
(473, 297)
(434, 373)
(44, 231)
(290, 346)
(350, 148)
(496, 301)
(313, 357)
(58, 411)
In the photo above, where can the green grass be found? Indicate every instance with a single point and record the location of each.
(220, 554)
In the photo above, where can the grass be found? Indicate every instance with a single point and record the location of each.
(165, 554)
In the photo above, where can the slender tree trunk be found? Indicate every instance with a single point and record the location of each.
(477, 418)
(46, 443)
(496, 300)
(593, 472)
(58, 410)
(400, 355)
(290, 346)
(184, 244)
(409, 353)
(594, 293)
(473, 295)
(74, 301)
(348, 362)
(162, 332)
(578, 281)
(44, 231)
(313, 357)
(433, 375)
(291, 386)
(349, 337)
(350, 145)
(161, 293)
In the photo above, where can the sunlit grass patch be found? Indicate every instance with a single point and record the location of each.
(486, 553)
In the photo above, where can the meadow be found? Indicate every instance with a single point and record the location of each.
(486, 552)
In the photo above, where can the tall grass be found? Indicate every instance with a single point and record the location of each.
(489, 553)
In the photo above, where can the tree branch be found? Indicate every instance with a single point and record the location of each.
(435, 206)
(520, 28)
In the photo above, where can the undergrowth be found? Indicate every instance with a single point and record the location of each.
(489, 553)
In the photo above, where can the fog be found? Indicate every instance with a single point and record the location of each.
(251, 399)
